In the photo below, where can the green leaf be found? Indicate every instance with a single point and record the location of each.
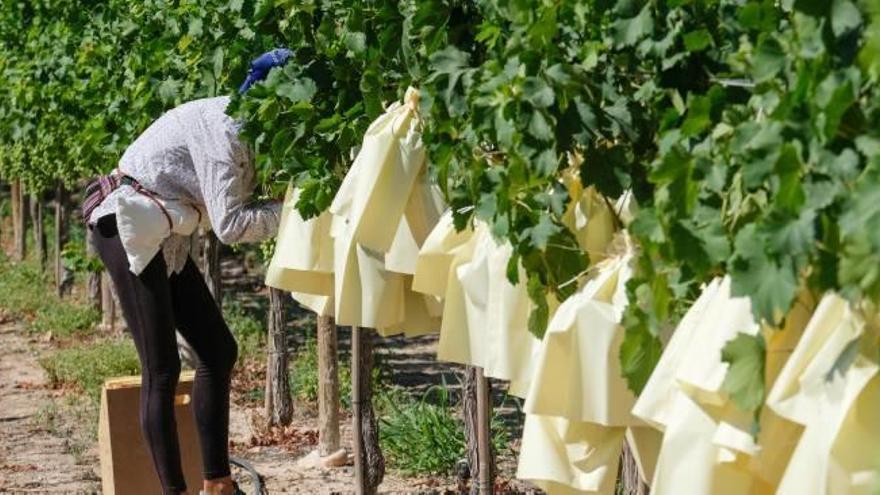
(169, 89)
(639, 354)
(301, 90)
(845, 17)
(628, 32)
(356, 42)
(744, 382)
(539, 317)
(769, 59)
(538, 92)
(769, 284)
(541, 233)
(792, 236)
(539, 128)
(546, 163)
(760, 16)
(790, 196)
(697, 41)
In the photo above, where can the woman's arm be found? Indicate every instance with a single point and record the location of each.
(225, 173)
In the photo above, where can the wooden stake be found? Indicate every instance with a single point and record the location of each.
(486, 476)
(369, 464)
(476, 414)
(93, 284)
(469, 419)
(630, 480)
(357, 435)
(328, 386)
(108, 303)
(60, 237)
(36, 206)
(279, 404)
(19, 223)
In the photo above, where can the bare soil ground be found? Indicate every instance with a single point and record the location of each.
(34, 459)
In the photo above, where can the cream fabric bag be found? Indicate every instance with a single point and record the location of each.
(303, 257)
(382, 214)
(356, 261)
(837, 451)
(578, 406)
(442, 246)
(702, 429)
(580, 352)
(569, 457)
(485, 317)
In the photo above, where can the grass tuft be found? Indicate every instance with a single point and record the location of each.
(426, 436)
(87, 366)
(422, 436)
(304, 374)
(65, 319)
(23, 288)
(248, 329)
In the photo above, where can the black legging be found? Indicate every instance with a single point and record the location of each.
(153, 304)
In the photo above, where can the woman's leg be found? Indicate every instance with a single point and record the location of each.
(201, 323)
(146, 306)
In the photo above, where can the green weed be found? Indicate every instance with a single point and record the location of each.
(23, 288)
(65, 319)
(421, 436)
(87, 366)
(25, 294)
(426, 436)
(248, 329)
(304, 374)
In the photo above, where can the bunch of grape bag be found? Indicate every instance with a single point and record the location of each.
(837, 405)
(359, 257)
(702, 428)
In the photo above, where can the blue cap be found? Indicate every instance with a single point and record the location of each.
(261, 66)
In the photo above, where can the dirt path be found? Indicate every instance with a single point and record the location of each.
(32, 459)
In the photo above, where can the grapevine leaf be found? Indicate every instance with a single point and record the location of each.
(845, 17)
(628, 32)
(770, 285)
(301, 90)
(539, 128)
(744, 381)
(541, 233)
(539, 317)
(639, 353)
(769, 59)
(697, 41)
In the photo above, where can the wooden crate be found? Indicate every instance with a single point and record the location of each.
(126, 466)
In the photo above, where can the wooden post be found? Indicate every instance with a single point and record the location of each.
(279, 404)
(108, 303)
(36, 206)
(630, 480)
(61, 282)
(357, 436)
(469, 419)
(212, 267)
(19, 222)
(328, 386)
(93, 283)
(486, 477)
(477, 414)
(369, 464)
